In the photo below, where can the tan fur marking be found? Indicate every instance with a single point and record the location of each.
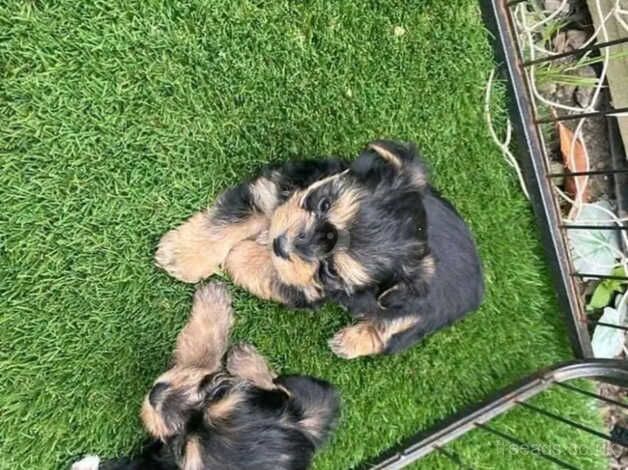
(153, 421)
(223, 408)
(183, 381)
(361, 339)
(428, 264)
(419, 178)
(193, 459)
(265, 194)
(313, 423)
(249, 265)
(350, 270)
(387, 329)
(296, 271)
(246, 362)
(413, 169)
(203, 340)
(345, 208)
(367, 338)
(386, 155)
(196, 249)
(318, 184)
(312, 293)
(290, 218)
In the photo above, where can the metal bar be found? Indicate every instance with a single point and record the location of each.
(593, 227)
(618, 161)
(610, 325)
(455, 458)
(525, 446)
(600, 276)
(533, 165)
(592, 395)
(569, 422)
(447, 430)
(592, 47)
(610, 112)
(588, 173)
(514, 2)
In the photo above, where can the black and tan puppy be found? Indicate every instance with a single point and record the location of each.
(203, 414)
(370, 234)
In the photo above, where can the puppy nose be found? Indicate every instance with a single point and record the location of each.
(279, 247)
(156, 392)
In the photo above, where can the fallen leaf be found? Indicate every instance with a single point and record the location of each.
(399, 31)
(575, 161)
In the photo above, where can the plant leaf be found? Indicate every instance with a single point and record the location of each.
(573, 161)
(608, 342)
(594, 251)
(601, 296)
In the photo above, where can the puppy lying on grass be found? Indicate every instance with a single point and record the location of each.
(371, 235)
(203, 414)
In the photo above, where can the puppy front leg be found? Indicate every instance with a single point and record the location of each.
(197, 248)
(250, 266)
(370, 337)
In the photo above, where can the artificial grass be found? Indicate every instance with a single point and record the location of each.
(118, 119)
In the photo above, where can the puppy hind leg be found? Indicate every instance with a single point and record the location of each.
(369, 338)
(197, 248)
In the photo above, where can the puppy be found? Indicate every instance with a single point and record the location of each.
(202, 414)
(372, 235)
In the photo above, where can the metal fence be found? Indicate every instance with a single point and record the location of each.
(536, 120)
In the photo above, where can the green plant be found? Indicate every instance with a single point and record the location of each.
(562, 72)
(606, 289)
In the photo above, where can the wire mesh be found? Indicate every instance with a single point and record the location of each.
(560, 175)
(564, 133)
(488, 418)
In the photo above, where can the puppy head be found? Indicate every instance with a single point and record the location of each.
(362, 228)
(197, 360)
(311, 225)
(227, 422)
(238, 415)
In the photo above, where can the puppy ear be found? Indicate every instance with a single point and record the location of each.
(204, 339)
(400, 157)
(246, 362)
(317, 404)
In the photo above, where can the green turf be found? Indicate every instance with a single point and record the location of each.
(120, 118)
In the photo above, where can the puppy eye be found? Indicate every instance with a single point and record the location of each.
(301, 236)
(324, 205)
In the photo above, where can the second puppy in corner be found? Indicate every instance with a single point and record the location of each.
(237, 415)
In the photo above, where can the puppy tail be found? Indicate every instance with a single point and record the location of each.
(316, 402)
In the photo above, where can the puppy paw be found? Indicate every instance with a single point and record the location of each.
(246, 362)
(89, 462)
(187, 252)
(356, 340)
